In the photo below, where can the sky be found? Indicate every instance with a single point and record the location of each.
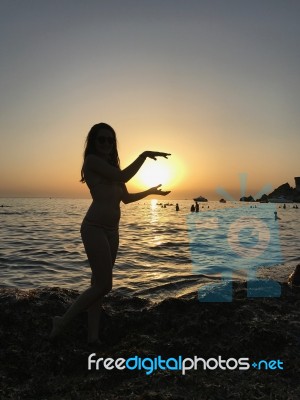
(215, 83)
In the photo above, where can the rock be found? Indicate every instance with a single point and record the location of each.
(32, 367)
(284, 190)
(296, 197)
(294, 278)
(263, 199)
(245, 198)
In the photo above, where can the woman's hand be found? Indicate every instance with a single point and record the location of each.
(154, 154)
(155, 190)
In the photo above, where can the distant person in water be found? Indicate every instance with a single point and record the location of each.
(197, 207)
(276, 216)
(192, 208)
(177, 207)
(99, 230)
(284, 206)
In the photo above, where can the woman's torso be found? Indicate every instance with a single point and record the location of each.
(105, 208)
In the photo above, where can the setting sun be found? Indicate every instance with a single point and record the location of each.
(152, 175)
(168, 173)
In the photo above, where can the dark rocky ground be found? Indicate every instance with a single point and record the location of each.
(32, 367)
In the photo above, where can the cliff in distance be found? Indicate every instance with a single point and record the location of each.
(285, 191)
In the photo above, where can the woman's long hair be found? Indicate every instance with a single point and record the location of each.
(90, 146)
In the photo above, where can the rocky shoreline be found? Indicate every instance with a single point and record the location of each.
(32, 367)
(284, 191)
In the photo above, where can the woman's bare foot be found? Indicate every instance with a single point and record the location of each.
(57, 327)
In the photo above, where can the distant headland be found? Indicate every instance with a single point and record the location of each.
(283, 194)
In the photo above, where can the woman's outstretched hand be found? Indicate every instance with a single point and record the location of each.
(154, 154)
(155, 190)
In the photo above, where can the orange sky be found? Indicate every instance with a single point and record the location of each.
(218, 87)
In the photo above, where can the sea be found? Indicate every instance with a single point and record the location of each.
(163, 252)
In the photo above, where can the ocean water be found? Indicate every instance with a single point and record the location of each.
(40, 244)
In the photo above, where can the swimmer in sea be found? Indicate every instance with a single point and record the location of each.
(99, 230)
(276, 216)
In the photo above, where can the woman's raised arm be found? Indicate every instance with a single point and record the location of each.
(97, 164)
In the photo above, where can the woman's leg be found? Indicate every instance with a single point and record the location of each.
(99, 255)
(94, 311)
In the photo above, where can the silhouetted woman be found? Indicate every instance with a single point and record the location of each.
(99, 230)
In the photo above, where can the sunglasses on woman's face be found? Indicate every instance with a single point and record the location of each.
(105, 139)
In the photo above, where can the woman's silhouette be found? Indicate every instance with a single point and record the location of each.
(99, 230)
